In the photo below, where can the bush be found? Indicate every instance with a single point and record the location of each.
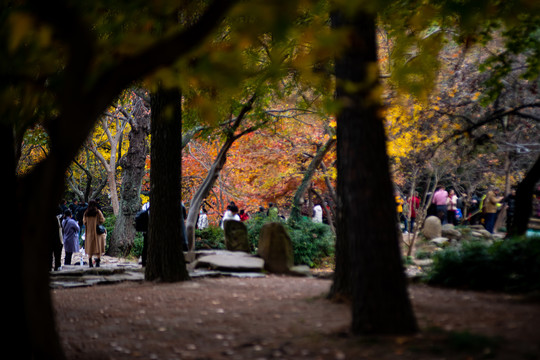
(138, 242)
(511, 265)
(110, 221)
(210, 238)
(311, 242)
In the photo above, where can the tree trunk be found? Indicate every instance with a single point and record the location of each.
(368, 259)
(166, 231)
(524, 195)
(210, 179)
(133, 170)
(308, 175)
(33, 230)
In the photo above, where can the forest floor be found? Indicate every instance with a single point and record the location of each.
(282, 317)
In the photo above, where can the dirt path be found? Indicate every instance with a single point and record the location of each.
(282, 318)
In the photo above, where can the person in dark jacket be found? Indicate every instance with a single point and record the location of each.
(510, 204)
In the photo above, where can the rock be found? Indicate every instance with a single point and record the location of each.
(477, 227)
(440, 241)
(300, 270)
(432, 228)
(482, 234)
(275, 247)
(236, 236)
(450, 232)
(231, 261)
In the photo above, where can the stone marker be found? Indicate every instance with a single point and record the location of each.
(236, 236)
(275, 247)
(432, 227)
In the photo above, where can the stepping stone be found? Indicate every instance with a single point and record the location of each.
(231, 261)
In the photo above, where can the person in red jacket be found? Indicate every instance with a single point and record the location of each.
(414, 205)
(243, 215)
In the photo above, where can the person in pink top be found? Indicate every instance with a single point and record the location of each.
(451, 207)
(439, 199)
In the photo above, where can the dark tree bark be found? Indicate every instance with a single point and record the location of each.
(524, 196)
(166, 231)
(82, 94)
(133, 170)
(369, 268)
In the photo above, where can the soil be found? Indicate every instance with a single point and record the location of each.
(281, 317)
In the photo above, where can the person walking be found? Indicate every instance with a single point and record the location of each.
(244, 216)
(414, 205)
(272, 211)
(491, 205)
(317, 213)
(399, 210)
(202, 221)
(70, 230)
(94, 242)
(510, 204)
(56, 246)
(439, 200)
(230, 214)
(451, 207)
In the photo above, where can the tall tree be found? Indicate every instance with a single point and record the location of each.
(368, 259)
(58, 73)
(232, 134)
(133, 171)
(165, 231)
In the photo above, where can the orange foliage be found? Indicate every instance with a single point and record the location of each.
(262, 167)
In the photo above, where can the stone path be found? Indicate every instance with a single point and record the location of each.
(114, 270)
(218, 263)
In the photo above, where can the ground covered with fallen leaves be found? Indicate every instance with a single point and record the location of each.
(282, 317)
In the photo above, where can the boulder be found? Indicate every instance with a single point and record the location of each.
(275, 247)
(236, 236)
(432, 228)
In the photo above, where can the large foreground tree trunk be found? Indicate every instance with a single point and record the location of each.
(81, 95)
(166, 231)
(368, 258)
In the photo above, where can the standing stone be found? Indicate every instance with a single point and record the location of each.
(275, 247)
(236, 236)
(432, 228)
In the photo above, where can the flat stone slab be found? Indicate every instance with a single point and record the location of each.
(230, 261)
(201, 273)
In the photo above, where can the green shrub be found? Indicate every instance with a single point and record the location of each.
(210, 238)
(423, 254)
(110, 221)
(511, 265)
(311, 242)
(138, 242)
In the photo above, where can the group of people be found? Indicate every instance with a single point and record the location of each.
(233, 213)
(70, 230)
(407, 210)
(450, 208)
